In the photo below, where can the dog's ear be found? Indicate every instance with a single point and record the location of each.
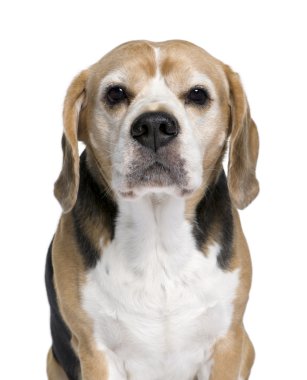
(243, 146)
(66, 186)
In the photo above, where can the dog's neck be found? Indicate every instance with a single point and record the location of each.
(151, 231)
(157, 208)
(153, 215)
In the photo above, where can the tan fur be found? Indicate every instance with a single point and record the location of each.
(66, 187)
(244, 146)
(233, 355)
(54, 370)
(248, 357)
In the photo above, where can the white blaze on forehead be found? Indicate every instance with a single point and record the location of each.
(156, 91)
(155, 94)
(157, 56)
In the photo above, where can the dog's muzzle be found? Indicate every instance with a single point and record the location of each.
(154, 129)
(156, 163)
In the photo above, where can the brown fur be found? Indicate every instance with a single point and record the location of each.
(233, 355)
(66, 187)
(244, 146)
(54, 370)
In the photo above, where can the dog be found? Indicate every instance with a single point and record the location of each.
(148, 273)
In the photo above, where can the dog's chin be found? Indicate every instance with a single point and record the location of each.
(141, 191)
(155, 179)
(132, 190)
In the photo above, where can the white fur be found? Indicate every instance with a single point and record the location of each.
(157, 303)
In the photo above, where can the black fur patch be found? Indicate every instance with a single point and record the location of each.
(94, 207)
(61, 336)
(215, 211)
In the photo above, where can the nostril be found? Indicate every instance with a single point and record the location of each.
(139, 129)
(163, 128)
(168, 129)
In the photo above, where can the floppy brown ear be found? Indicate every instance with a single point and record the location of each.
(66, 186)
(243, 147)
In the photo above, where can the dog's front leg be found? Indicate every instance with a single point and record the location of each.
(227, 356)
(232, 358)
(100, 364)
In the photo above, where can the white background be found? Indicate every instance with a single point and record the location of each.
(44, 44)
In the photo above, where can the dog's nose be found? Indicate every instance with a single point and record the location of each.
(154, 129)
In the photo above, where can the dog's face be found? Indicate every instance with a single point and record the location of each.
(156, 117)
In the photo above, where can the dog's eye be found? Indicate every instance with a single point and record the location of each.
(115, 95)
(198, 96)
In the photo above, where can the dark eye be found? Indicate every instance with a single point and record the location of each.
(115, 95)
(197, 96)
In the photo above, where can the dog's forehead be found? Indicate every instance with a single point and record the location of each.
(138, 61)
(182, 57)
(131, 61)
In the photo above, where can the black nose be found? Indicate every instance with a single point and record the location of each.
(154, 129)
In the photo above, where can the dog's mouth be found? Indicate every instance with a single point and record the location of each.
(157, 173)
(156, 176)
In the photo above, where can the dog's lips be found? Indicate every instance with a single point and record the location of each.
(159, 168)
(156, 174)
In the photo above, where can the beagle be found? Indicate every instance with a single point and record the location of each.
(148, 273)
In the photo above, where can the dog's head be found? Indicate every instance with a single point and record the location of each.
(156, 117)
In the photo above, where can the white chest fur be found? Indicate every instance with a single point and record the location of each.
(157, 303)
